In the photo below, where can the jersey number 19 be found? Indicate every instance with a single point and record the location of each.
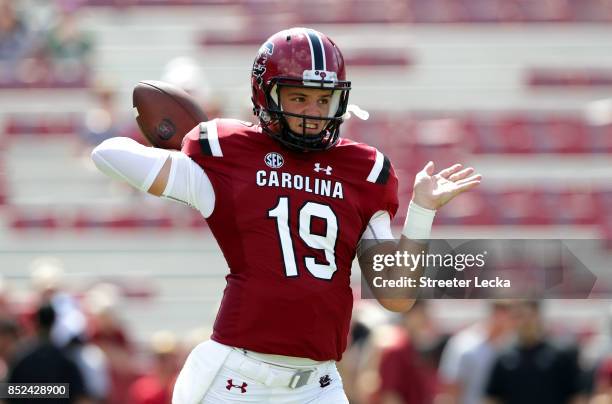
(326, 242)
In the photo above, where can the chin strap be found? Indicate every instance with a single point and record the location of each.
(278, 129)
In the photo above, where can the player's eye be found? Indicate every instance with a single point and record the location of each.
(298, 99)
(324, 101)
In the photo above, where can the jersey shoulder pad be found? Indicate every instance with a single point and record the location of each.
(216, 138)
(203, 140)
(379, 168)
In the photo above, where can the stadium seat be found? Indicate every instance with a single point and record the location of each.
(397, 11)
(606, 230)
(577, 207)
(482, 133)
(64, 124)
(377, 58)
(563, 135)
(472, 208)
(32, 220)
(600, 138)
(122, 220)
(3, 190)
(516, 134)
(564, 77)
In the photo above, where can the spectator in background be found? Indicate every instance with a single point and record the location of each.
(407, 369)
(103, 121)
(596, 359)
(93, 366)
(534, 370)
(14, 35)
(6, 309)
(107, 332)
(469, 356)
(9, 337)
(42, 362)
(603, 383)
(356, 367)
(49, 283)
(597, 356)
(15, 40)
(46, 277)
(155, 387)
(68, 49)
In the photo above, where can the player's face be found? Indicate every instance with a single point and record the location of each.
(306, 101)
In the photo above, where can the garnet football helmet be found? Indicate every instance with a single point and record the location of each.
(299, 57)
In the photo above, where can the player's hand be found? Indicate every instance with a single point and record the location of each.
(432, 191)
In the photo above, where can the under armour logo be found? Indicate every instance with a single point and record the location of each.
(230, 384)
(318, 168)
(325, 381)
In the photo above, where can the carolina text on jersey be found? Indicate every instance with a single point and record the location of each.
(317, 186)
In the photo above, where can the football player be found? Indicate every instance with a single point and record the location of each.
(289, 203)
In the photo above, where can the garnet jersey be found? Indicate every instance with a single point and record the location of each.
(288, 224)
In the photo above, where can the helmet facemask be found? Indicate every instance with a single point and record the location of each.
(329, 134)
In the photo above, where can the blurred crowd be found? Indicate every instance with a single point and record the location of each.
(55, 336)
(45, 48)
(511, 355)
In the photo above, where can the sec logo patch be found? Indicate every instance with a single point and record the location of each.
(274, 160)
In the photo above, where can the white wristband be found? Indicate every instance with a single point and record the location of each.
(418, 222)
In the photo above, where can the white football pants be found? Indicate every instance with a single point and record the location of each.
(217, 374)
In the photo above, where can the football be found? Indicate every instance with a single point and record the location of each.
(165, 113)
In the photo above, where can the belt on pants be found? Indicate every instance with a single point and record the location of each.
(271, 374)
